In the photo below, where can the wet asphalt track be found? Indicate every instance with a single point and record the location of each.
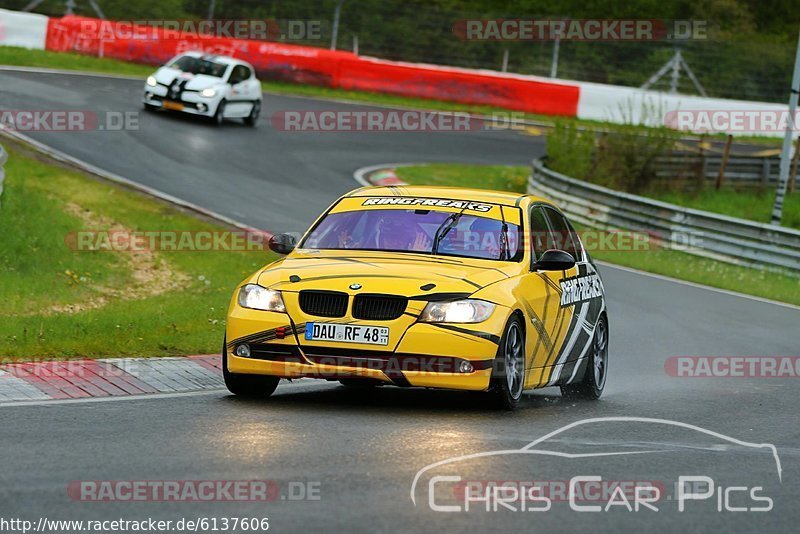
(364, 449)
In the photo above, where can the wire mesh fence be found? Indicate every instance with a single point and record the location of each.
(728, 64)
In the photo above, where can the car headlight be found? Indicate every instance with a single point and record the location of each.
(151, 81)
(459, 311)
(260, 298)
(208, 93)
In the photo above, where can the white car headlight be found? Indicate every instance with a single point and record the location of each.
(459, 311)
(208, 93)
(151, 81)
(260, 298)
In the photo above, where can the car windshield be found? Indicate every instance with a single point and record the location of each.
(397, 230)
(196, 65)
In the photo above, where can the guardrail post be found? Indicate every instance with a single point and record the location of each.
(795, 161)
(724, 163)
(3, 159)
(766, 168)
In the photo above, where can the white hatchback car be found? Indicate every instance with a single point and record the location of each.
(217, 87)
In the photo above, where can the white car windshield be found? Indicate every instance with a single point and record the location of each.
(196, 65)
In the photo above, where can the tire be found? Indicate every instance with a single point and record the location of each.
(252, 119)
(508, 373)
(219, 115)
(250, 386)
(594, 377)
(360, 383)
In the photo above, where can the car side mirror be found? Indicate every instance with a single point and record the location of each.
(555, 260)
(282, 243)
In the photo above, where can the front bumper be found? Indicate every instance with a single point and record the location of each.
(426, 356)
(191, 102)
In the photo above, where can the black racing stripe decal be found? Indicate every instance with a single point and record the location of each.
(398, 378)
(419, 258)
(351, 276)
(550, 282)
(440, 297)
(470, 282)
(287, 267)
(556, 350)
(573, 324)
(573, 358)
(265, 335)
(538, 325)
(474, 333)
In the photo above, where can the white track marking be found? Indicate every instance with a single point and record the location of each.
(699, 286)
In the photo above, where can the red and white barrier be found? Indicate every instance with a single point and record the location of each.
(303, 64)
(22, 29)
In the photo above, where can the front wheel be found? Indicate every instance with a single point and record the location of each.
(594, 378)
(251, 386)
(508, 373)
(219, 115)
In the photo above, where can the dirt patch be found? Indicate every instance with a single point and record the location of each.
(151, 274)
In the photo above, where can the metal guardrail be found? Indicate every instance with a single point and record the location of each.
(3, 159)
(739, 169)
(706, 234)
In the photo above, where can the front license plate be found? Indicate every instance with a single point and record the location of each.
(347, 333)
(173, 105)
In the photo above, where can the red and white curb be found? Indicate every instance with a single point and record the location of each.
(384, 174)
(80, 379)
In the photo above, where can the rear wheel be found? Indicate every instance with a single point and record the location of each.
(251, 386)
(594, 378)
(252, 119)
(508, 374)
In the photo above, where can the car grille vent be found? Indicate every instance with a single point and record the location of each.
(379, 307)
(323, 303)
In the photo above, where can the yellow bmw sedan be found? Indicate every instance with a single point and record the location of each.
(425, 287)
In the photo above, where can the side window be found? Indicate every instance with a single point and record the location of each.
(540, 233)
(239, 74)
(563, 238)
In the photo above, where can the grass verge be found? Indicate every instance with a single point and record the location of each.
(746, 203)
(59, 302)
(664, 262)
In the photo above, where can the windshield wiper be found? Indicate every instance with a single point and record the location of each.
(448, 224)
(505, 251)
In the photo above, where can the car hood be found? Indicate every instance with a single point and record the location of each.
(379, 272)
(194, 82)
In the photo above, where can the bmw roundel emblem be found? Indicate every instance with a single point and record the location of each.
(355, 287)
